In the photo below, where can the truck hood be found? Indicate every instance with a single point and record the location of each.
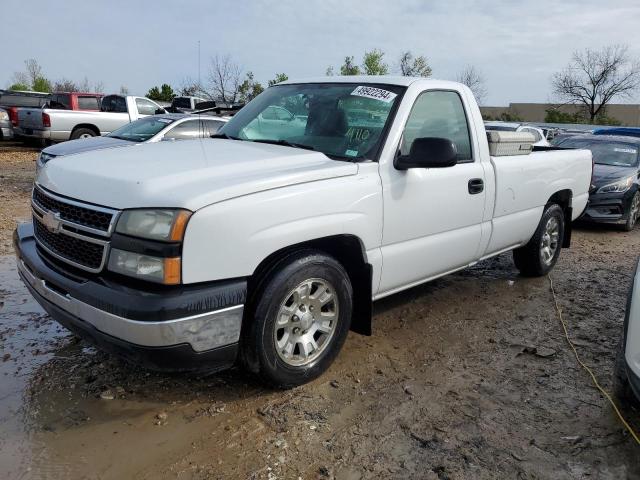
(86, 145)
(187, 174)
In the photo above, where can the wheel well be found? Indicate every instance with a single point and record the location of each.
(87, 126)
(349, 251)
(564, 198)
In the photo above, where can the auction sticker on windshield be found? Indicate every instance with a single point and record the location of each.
(374, 93)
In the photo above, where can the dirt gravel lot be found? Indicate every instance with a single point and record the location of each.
(467, 377)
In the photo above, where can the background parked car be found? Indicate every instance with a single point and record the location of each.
(538, 134)
(627, 368)
(61, 125)
(169, 127)
(625, 131)
(614, 196)
(30, 118)
(12, 100)
(185, 104)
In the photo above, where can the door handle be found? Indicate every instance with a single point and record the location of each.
(476, 185)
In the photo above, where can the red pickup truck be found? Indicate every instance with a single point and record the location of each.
(75, 101)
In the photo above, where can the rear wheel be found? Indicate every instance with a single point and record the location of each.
(82, 133)
(298, 320)
(539, 256)
(634, 212)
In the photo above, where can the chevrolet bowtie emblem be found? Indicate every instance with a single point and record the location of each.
(51, 221)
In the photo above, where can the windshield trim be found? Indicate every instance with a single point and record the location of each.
(375, 156)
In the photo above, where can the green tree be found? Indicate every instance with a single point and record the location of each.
(41, 84)
(249, 88)
(411, 66)
(373, 63)
(280, 77)
(349, 67)
(19, 86)
(163, 94)
(554, 115)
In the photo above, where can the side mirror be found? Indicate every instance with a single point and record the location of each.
(428, 152)
(160, 111)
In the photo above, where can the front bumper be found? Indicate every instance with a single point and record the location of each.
(169, 328)
(608, 207)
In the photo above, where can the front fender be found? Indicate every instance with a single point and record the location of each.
(229, 239)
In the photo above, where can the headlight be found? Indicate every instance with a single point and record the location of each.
(153, 269)
(4, 115)
(157, 224)
(44, 158)
(620, 186)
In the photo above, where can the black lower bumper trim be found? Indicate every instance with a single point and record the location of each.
(174, 358)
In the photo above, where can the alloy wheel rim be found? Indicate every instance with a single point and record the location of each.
(306, 322)
(549, 242)
(635, 209)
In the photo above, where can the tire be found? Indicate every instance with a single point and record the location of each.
(634, 211)
(621, 386)
(82, 133)
(280, 354)
(530, 258)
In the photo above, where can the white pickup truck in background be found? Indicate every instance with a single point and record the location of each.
(267, 244)
(55, 125)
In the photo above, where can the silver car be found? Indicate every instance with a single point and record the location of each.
(156, 128)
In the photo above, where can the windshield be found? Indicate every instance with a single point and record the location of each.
(141, 130)
(341, 120)
(618, 154)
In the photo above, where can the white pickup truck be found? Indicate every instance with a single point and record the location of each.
(265, 245)
(55, 125)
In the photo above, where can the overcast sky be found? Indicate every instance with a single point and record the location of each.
(516, 45)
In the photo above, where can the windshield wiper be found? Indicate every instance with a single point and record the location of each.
(285, 143)
(225, 136)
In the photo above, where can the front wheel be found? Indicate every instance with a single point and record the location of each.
(539, 256)
(634, 212)
(298, 319)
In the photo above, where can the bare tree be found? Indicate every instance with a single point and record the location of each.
(124, 90)
(411, 66)
(190, 87)
(98, 87)
(594, 77)
(224, 78)
(65, 85)
(21, 78)
(472, 78)
(34, 70)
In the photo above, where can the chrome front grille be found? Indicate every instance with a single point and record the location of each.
(73, 232)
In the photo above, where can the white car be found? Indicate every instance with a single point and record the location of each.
(267, 249)
(540, 139)
(627, 368)
(156, 128)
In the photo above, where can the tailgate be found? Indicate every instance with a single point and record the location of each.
(30, 118)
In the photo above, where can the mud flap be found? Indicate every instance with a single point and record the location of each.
(568, 227)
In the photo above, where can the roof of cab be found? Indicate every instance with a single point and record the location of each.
(375, 79)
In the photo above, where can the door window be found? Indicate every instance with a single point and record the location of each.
(184, 130)
(146, 107)
(209, 127)
(439, 114)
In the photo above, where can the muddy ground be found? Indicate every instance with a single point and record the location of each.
(466, 377)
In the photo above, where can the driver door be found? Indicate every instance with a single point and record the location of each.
(432, 216)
